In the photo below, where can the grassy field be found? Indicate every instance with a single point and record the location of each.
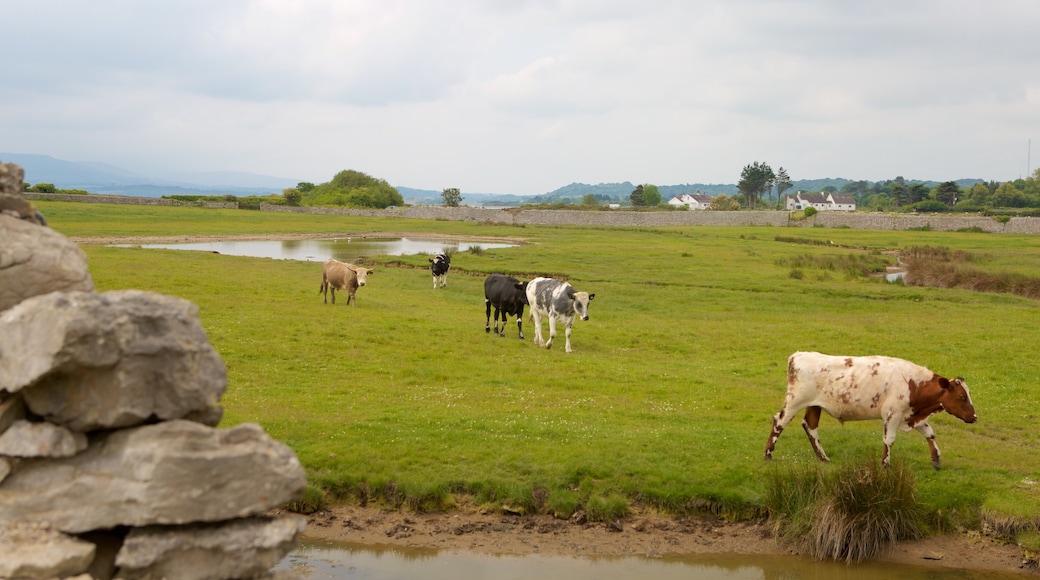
(668, 398)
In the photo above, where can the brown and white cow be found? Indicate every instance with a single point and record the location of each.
(853, 388)
(336, 275)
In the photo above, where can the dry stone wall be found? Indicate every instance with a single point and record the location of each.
(111, 462)
(623, 218)
(628, 218)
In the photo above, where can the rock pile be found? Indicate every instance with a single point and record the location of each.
(111, 462)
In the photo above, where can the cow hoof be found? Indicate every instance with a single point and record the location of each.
(936, 466)
(487, 329)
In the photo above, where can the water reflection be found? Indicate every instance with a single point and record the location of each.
(315, 560)
(343, 249)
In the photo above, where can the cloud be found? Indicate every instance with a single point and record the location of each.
(526, 96)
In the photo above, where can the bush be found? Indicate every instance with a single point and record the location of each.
(853, 514)
(810, 211)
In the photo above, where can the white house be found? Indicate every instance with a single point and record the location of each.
(693, 200)
(820, 201)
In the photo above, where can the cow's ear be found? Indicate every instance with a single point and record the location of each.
(570, 293)
(591, 296)
(944, 383)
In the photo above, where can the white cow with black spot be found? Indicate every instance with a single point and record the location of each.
(558, 301)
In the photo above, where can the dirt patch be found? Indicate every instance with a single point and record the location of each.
(471, 529)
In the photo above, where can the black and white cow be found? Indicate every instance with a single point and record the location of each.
(439, 265)
(508, 296)
(558, 301)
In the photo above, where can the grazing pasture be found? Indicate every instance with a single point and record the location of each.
(408, 401)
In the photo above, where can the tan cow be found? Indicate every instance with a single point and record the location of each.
(853, 388)
(336, 275)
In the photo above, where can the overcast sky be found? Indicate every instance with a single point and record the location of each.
(517, 96)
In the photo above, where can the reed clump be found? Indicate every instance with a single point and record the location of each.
(852, 514)
(941, 267)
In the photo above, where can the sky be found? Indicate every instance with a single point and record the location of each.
(526, 96)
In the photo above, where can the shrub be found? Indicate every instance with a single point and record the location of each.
(810, 211)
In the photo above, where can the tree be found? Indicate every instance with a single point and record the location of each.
(898, 194)
(292, 196)
(304, 186)
(782, 183)
(947, 192)
(44, 188)
(979, 194)
(636, 197)
(916, 192)
(452, 197)
(756, 179)
(651, 194)
(589, 200)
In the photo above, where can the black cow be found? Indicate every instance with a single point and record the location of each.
(439, 265)
(508, 295)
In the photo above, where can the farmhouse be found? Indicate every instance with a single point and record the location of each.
(693, 200)
(821, 201)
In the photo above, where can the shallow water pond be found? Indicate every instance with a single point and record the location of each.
(330, 560)
(342, 249)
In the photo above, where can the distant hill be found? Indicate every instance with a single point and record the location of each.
(98, 177)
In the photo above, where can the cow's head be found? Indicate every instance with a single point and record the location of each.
(521, 288)
(956, 399)
(362, 275)
(581, 303)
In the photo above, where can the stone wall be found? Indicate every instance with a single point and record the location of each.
(111, 462)
(628, 218)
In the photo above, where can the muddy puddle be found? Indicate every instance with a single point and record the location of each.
(322, 560)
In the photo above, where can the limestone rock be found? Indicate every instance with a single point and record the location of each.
(11, 410)
(35, 551)
(236, 549)
(5, 468)
(99, 361)
(25, 439)
(175, 472)
(36, 260)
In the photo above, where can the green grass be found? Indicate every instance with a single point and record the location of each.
(668, 398)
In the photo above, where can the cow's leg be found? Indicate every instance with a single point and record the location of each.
(435, 281)
(536, 319)
(333, 290)
(520, 322)
(891, 427)
(487, 316)
(567, 335)
(811, 423)
(324, 289)
(552, 331)
(929, 435)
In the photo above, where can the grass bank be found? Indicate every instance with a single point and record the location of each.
(668, 398)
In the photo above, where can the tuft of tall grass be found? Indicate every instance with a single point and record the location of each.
(852, 514)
